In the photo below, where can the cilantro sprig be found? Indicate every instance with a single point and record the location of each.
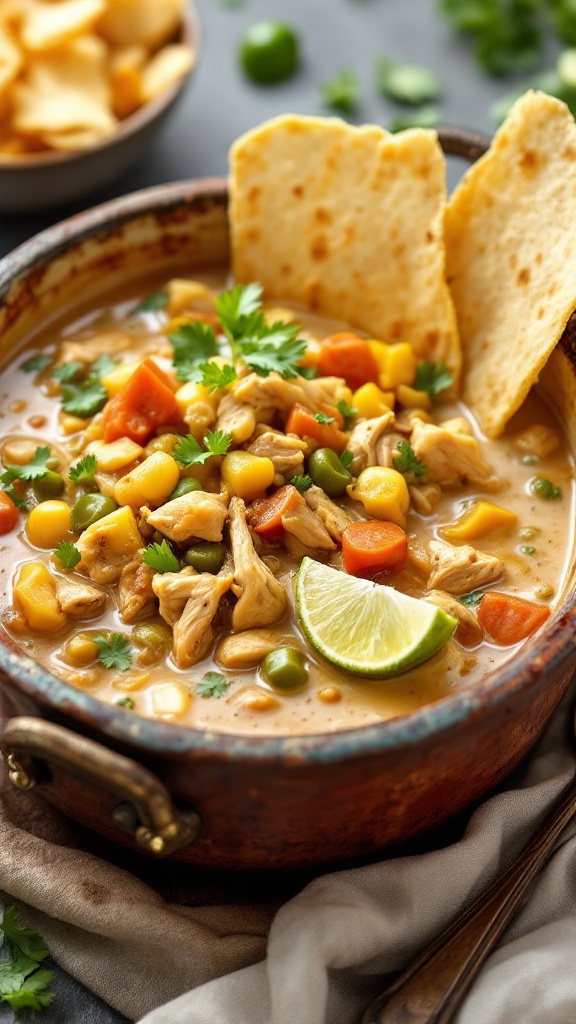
(472, 599)
(212, 684)
(35, 364)
(192, 344)
(188, 452)
(84, 470)
(433, 377)
(29, 473)
(82, 393)
(22, 984)
(342, 92)
(67, 554)
(301, 482)
(347, 411)
(114, 651)
(407, 461)
(322, 417)
(217, 377)
(161, 558)
(265, 348)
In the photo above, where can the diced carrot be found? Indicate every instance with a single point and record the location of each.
(346, 355)
(145, 402)
(8, 513)
(264, 515)
(326, 435)
(369, 547)
(331, 410)
(508, 619)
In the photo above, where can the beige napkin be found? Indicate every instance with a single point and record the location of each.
(141, 937)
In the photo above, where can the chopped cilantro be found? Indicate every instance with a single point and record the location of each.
(342, 92)
(265, 348)
(33, 470)
(542, 487)
(68, 554)
(433, 377)
(323, 418)
(347, 411)
(26, 990)
(188, 452)
(36, 364)
(114, 651)
(192, 344)
(84, 470)
(235, 307)
(21, 983)
(151, 303)
(406, 83)
(346, 459)
(216, 377)
(101, 366)
(212, 684)
(406, 461)
(22, 941)
(126, 702)
(308, 372)
(472, 600)
(84, 400)
(301, 483)
(428, 116)
(161, 558)
(67, 372)
(508, 35)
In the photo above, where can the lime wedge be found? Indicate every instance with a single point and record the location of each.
(365, 628)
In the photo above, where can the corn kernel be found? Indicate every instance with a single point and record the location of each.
(150, 483)
(169, 700)
(80, 650)
(48, 523)
(384, 494)
(115, 379)
(370, 401)
(162, 443)
(116, 454)
(379, 351)
(330, 694)
(191, 393)
(400, 366)
(411, 398)
(35, 597)
(18, 451)
(70, 424)
(482, 518)
(247, 475)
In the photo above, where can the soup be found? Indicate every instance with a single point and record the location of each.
(175, 463)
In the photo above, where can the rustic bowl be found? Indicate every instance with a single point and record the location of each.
(44, 180)
(237, 801)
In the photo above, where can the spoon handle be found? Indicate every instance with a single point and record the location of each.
(431, 989)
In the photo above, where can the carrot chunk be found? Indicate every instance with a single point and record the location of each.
(369, 547)
(264, 515)
(507, 619)
(145, 402)
(326, 435)
(8, 513)
(346, 355)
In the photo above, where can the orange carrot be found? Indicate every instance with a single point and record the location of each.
(369, 547)
(303, 422)
(508, 619)
(264, 515)
(8, 513)
(346, 355)
(145, 402)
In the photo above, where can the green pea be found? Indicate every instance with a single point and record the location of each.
(154, 641)
(269, 52)
(206, 556)
(284, 669)
(327, 472)
(184, 486)
(49, 486)
(89, 508)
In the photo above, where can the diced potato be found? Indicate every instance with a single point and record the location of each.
(370, 401)
(191, 393)
(115, 454)
(399, 367)
(150, 483)
(384, 494)
(48, 523)
(411, 398)
(115, 379)
(19, 451)
(162, 443)
(247, 475)
(35, 597)
(109, 544)
(482, 518)
(70, 424)
(169, 700)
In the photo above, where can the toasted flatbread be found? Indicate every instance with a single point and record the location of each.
(348, 222)
(511, 252)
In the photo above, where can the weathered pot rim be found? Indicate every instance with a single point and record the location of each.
(552, 647)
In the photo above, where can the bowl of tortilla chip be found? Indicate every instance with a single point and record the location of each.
(351, 223)
(85, 85)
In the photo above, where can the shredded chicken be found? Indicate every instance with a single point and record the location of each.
(363, 440)
(323, 391)
(335, 519)
(243, 650)
(469, 632)
(236, 418)
(451, 458)
(197, 514)
(104, 552)
(418, 557)
(538, 440)
(387, 448)
(270, 395)
(78, 599)
(261, 599)
(87, 350)
(424, 497)
(189, 602)
(173, 590)
(136, 598)
(308, 528)
(286, 451)
(461, 569)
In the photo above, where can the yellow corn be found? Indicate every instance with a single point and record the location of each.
(482, 518)
(400, 365)
(150, 483)
(80, 650)
(384, 494)
(411, 398)
(70, 424)
(35, 597)
(371, 401)
(115, 454)
(379, 351)
(162, 443)
(169, 700)
(115, 379)
(188, 295)
(247, 475)
(192, 393)
(48, 523)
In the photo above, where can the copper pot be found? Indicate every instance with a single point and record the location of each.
(237, 801)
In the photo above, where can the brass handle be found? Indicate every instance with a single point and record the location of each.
(159, 828)
(431, 989)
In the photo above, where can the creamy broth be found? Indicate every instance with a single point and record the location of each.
(535, 552)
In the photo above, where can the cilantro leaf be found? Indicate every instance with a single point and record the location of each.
(11, 492)
(114, 651)
(406, 83)
(346, 459)
(84, 470)
(22, 941)
(126, 702)
(36, 364)
(34, 992)
(212, 684)
(68, 554)
(161, 558)
(433, 377)
(308, 372)
(67, 372)
(33, 470)
(235, 309)
(216, 377)
(427, 116)
(347, 411)
(321, 417)
(193, 342)
(188, 452)
(472, 600)
(406, 461)
(217, 442)
(84, 400)
(101, 366)
(151, 303)
(301, 483)
(277, 350)
(342, 92)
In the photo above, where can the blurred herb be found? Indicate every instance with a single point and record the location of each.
(406, 83)
(342, 92)
(424, 117)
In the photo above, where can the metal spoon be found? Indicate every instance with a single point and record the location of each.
(432, 988)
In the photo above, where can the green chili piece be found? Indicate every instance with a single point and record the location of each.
(89, 508)
(50, 485)
(327, 472)
(184, 486)
(154, 641)
(206, 557)
(284, 669)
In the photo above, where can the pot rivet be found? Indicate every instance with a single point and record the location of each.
(20, 776)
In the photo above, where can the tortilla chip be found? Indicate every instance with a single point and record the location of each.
(11, 59)
(348, 222)
(125, 70)
(149, 23)
(511, 253)
(165, 69)
(45, 26)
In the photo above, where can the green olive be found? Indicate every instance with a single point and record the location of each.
(284, 669)
(269, 52)
(89, 508)
(50, 485)
(154, 641)
(184, 486)
(327, 472)
(206, 556)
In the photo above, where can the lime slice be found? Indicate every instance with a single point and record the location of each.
(365, 628)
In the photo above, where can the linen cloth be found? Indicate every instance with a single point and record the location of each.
(183, 947)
